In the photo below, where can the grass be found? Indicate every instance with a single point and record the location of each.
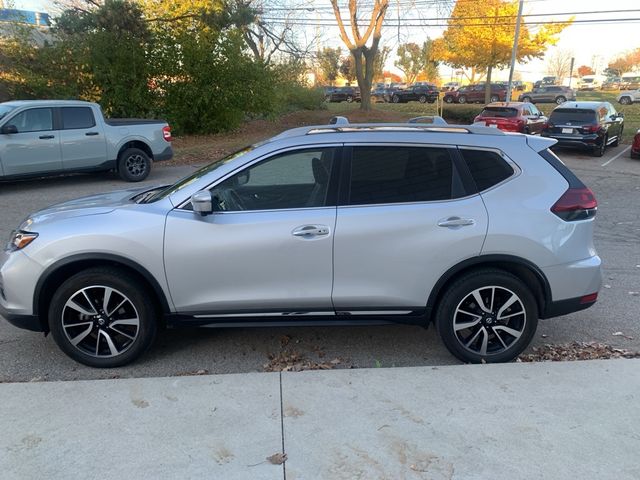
(203, 149)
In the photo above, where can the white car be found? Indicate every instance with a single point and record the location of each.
(629, 97)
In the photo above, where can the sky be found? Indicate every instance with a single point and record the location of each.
(590, 44)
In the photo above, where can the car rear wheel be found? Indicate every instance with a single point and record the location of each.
(448, 99)
(599, 150)
(526, 99)
(560, 100)
(625, 100)
(395, 99)
(617, 141)
(423, 99)
(102, 318)
(462, 99)
(487, 316)
(494, 98)
(134, 165)
(349, 99)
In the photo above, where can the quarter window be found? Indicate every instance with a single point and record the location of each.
(487, 168)
(33, 120)
(402, 174)
(77, 118)
(298, 179)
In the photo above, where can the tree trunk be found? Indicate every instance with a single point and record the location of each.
(487, 87)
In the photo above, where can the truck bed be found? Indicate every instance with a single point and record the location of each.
(125, 122)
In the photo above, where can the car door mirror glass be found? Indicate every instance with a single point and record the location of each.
(9, 129)
(202, 202)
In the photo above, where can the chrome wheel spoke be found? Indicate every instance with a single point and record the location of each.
(112, 348)
(504, 317)
(105, 299)
(512, 299)
(117, 308)
(480, 301)
(80, 308)
(120, 332)
(78, 338)
(463, 325)
(495, 332)
(474, 337)
(485, 341)
(71, 325)
(126, 321)
(511, 331)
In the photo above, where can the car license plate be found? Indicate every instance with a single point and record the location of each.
(492, 125)
(567, 130)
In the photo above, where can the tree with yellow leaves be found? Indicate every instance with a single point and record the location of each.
(480, 35)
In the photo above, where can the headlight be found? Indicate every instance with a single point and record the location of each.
(20, 239)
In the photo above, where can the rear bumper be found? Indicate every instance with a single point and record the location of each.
(166, 154)
(584, 141)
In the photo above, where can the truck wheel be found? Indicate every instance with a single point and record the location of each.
(102, 317)
(625, 101)
(560, 100)
(134, 165)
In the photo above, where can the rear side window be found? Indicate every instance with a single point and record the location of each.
(77, 117)
(402, 174)
(487, 168)
(574, 116)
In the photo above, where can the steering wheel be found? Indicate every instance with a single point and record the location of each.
(229, 200)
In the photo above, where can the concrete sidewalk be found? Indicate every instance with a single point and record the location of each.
(512, 421)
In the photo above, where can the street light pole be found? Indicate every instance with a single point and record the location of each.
(514, 50)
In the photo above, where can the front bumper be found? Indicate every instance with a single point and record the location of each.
(20, 320)
(18, 277)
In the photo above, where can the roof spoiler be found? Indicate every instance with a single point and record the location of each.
(538, 143)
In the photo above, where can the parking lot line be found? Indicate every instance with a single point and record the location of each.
(614, 157)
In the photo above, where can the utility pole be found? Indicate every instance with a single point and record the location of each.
(571, 71)
(514, 50)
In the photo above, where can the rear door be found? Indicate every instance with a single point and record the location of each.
(36, 146)
(81, 139)
(403, 220)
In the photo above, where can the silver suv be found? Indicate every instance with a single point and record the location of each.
(479, 232)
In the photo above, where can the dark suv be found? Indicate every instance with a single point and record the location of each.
(549, 94)
(344, 94)
(475, 93)
(590, 125)
(419, 93)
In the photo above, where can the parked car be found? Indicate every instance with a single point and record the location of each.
(475, 93)
(630, 81)
(629, 97)
(545, 81)
(450, 86)
(334, 224)
(518, 85)
(635, 145)
(587, 125)
(512, 117)
(419, 93)
(53, 137)
(379, 94)
(550, 94)
(613, 83)
(344, 94)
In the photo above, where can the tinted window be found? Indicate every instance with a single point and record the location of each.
(394, 175)
(487, 168)
(33, 120)
(575, 116)
(297, 179)
(77, 117)
(499, 112)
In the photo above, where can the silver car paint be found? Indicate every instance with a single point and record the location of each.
(223, 262)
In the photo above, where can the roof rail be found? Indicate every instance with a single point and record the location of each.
(402, 127)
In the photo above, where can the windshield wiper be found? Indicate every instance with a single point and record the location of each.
(144, 197)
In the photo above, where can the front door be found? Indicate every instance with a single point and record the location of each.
(406, 221)
(268, 248)
(82, 141)
(36, 146)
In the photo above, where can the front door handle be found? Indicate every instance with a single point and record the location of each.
(453, 222)
(308, 231)
(46, 137)
(91, 134)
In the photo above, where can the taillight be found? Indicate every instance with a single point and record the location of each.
(547, 125)
(576, 204)
(166, 133)
(590, 128)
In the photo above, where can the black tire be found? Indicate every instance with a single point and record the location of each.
(395, 99)
(448, 99)
(526, 99)
(422, 99)
(103, 330)
(560, 100)
(462, 99)
(599, 150)
(494, 98)
(617, 141)
(349, 99)
(134, 165)
(523, 319)
(625, 100)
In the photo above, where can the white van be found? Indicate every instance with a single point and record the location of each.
(591, 82)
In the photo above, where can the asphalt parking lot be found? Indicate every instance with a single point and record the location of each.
(615, 179)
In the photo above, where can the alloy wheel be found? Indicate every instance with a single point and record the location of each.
(489, 320)
(136, 165)
(100, 321)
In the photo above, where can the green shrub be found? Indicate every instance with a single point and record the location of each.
(461, 114)
(295, 96)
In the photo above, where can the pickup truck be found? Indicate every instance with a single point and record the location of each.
(45, 137)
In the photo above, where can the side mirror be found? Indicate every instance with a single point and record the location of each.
(202, 203)
(8, 129)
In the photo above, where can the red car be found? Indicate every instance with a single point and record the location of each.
(475, 94)
(512, 117)
(635, 146)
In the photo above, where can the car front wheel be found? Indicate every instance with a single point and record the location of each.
(462, 99)
(395, 99)
(625, 101)
(494, 98)
(423, 99)
(526, 99)
(102, 318)
(560, 100)
(487, 316)
(448, 99)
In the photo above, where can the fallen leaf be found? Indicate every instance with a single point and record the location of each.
(277, 458)
(607, 286)
(618, 334)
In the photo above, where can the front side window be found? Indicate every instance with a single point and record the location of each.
(487, 168)
(77, 118)
(298, 179)
(382, 175)
(33, 120)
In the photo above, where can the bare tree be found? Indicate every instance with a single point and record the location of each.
(364, 55)
(559, 64)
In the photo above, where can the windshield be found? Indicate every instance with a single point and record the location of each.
(499, 112)
(197, 175)
(4, 109)
(574, 116)
(587, 80)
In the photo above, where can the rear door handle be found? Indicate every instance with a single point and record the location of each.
(453, 222)
(308, 231)
(46, 137)
(91, 134)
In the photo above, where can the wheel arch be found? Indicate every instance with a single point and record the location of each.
(60, 271)
(526, 271)
(135, 144)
